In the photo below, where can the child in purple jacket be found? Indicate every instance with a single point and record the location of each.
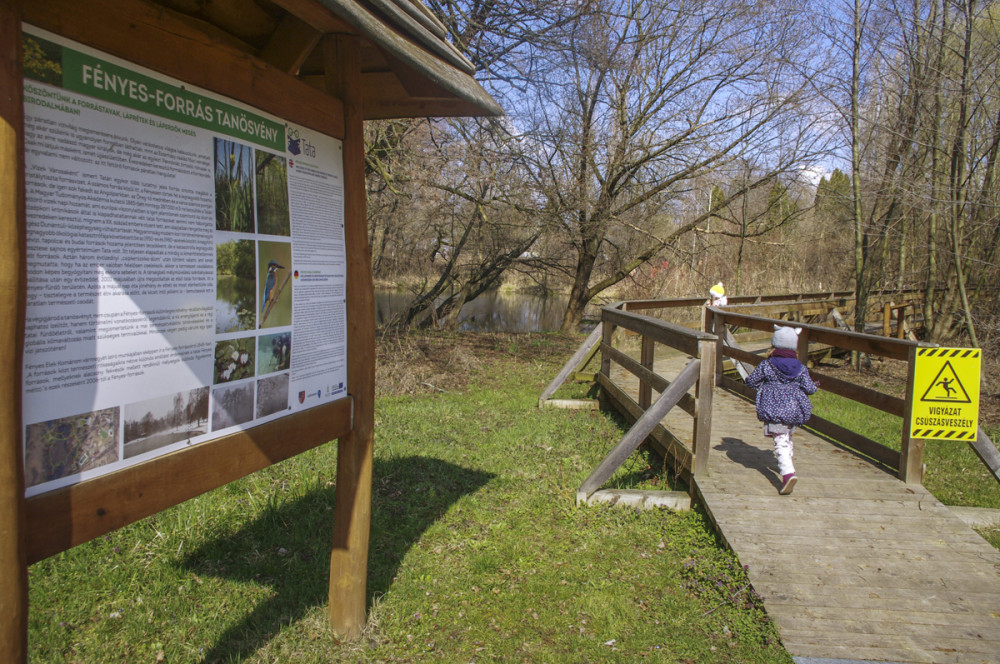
(783, 385)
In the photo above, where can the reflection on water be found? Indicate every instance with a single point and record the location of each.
(491, 312)
(234, 304)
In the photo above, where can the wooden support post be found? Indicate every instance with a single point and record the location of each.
(911, 450)
(639, 431)
(646, 360)
(887, 319)
(13, 561)
(703, 420)
(575, 363)
(987, 452)
(838, 320)
(802, 348)
(352, 509)
(720, 344)
(607, 338)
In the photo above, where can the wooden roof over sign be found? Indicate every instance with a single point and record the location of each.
(409, 68)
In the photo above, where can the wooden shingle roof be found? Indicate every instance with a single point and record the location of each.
(409, 67)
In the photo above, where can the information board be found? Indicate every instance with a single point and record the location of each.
(946, 394)
(185, 259)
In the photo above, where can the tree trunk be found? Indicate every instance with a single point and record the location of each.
(579, 294)
(861, 287)
(959, 183)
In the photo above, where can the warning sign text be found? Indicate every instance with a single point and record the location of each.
(946, 394)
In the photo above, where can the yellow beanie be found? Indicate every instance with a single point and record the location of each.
(717, 290)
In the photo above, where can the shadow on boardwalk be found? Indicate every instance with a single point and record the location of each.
(854, 564)
(748, 456)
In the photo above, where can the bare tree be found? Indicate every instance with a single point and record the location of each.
(475, 219)
(931, 127)
(647, 98)
(921, 118)
(754, 215)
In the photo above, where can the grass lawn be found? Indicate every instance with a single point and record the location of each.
(478, 553)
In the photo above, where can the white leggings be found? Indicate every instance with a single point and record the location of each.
(783, 453)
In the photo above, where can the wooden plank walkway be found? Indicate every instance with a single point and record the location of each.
(854, 565)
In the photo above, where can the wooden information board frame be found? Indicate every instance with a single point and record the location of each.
(31, 529)
(325, 65)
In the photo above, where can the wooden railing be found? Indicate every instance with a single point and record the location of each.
(648, 415)
(908, 461)
(674, 303)
(817, 306)
(836, 307)
(709, 349)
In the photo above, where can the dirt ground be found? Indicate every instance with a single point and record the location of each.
(421, 363)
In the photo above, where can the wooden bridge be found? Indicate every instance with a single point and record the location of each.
(860, 563)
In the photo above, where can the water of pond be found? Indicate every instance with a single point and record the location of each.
(234, 304)
(494, 311)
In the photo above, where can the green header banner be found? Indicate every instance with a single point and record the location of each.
(115, 84)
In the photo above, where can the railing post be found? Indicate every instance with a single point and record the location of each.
(13, 565)
(709, 325)
(802, 349)
(703, 418)
(720, 340)
(911, 450)
(607, 337)
(646, 360)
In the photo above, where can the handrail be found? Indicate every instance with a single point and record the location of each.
(775, 298)
(987, 452)
(897, 349)
(670, 303)
(700, 371)
(908, 462)
(676, 336)
(794, 301)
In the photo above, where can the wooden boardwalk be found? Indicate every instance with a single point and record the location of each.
(855, 564)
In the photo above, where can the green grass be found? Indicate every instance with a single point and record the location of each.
(477, 552)
(954, 473)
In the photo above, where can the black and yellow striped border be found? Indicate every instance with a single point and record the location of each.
(943, 434)
(949, 353)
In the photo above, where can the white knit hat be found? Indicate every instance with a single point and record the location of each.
(786, 337)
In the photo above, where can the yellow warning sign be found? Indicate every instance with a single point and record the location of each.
(946, 394)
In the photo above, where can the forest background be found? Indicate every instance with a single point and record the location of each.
(651, 149)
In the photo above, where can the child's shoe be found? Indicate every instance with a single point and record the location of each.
(787, 483)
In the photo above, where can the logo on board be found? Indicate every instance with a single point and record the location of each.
(946, 393)
(298, 145)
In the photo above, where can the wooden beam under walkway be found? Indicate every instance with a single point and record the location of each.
(855, 564)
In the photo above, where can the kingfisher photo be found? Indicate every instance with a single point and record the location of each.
(274, 260)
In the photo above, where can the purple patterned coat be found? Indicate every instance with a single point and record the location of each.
(782, 386)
